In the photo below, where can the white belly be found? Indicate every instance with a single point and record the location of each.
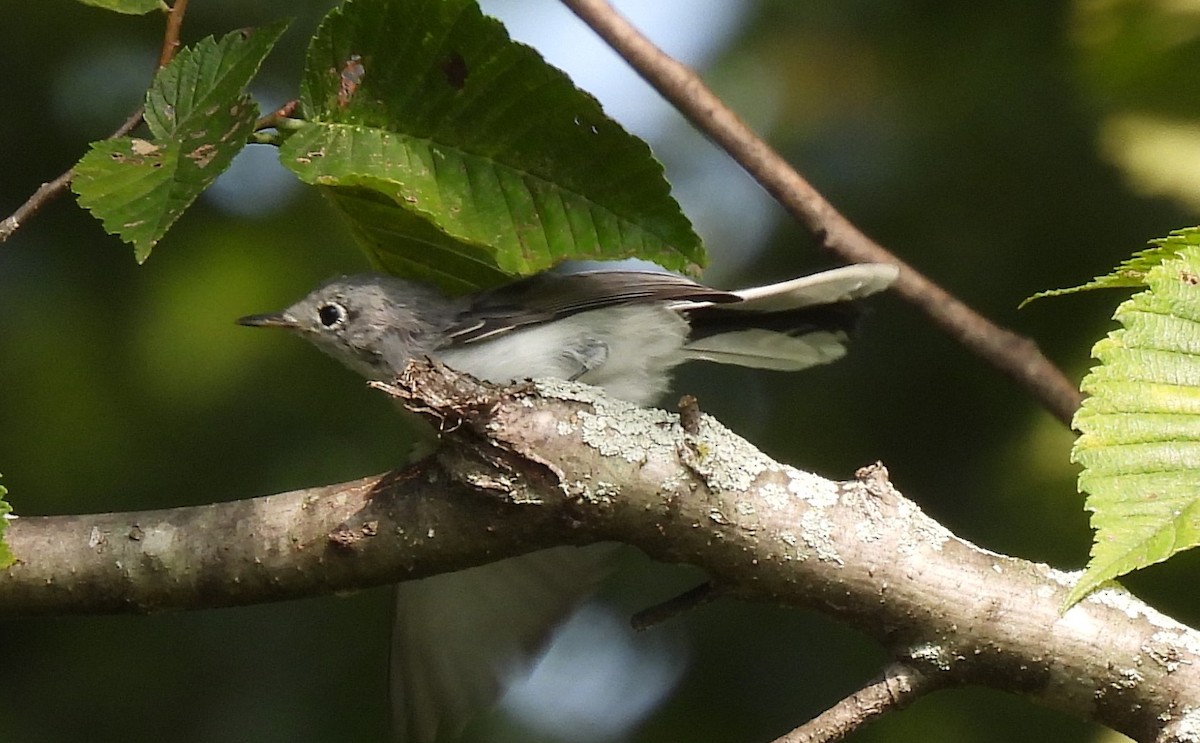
(643, 344)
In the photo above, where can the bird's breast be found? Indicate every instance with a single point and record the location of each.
(628, 350)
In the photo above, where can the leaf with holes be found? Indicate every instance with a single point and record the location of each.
(201, 117)
(1139, 440)
(462, 157)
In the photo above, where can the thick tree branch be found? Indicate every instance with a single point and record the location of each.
(553, 463)
(1013, 354)
(369, 532)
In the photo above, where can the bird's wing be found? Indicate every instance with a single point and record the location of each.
(458, 636)
(549, 296)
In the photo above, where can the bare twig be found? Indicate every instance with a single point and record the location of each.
(53, 189)
(43, 194)
(170, 43)
(898, 686)
(1015, 355)
(674, 606)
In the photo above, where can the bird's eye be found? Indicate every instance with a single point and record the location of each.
(331, 314)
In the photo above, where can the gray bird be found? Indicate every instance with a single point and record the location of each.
(457, 636)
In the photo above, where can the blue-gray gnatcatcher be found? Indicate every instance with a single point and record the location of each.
(458, 635)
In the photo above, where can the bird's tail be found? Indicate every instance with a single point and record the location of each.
(787, 326)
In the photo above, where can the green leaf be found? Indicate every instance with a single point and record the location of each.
(129, 7)
(1139, 440)
(379, 226)
(6, 556)
(452, 148)
(189, 91)
(1133, 271)
(200, 116)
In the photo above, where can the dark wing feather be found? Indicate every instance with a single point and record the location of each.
(841, 317)
(545, 297)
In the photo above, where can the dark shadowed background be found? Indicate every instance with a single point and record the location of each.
(1001, 147)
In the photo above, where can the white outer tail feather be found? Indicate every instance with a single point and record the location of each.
(827, 287)
(765, 349)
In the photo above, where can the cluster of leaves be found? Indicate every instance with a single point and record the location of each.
(456, 154)
(200, 117)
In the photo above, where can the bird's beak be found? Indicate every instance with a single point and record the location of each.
(273, 320)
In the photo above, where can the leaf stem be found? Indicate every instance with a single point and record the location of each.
(280, 118)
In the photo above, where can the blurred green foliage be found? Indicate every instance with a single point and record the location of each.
(965, 136)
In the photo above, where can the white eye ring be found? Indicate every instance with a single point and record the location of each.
(331, 314)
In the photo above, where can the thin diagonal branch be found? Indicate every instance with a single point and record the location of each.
(43, 195)
(674, 606)
(1013, 354)
(898, 686)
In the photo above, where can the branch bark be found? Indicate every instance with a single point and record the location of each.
(373, 531)
(896, 687)
(544, 464)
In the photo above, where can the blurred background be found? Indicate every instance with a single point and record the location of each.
(1000, 147)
